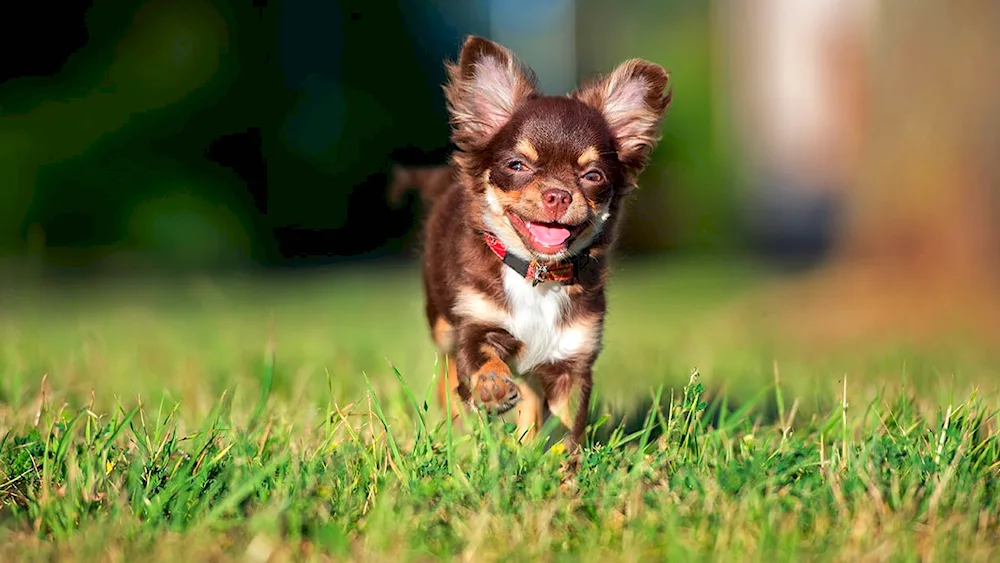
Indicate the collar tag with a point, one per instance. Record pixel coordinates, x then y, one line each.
540 273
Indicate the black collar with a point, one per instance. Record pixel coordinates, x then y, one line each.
565 271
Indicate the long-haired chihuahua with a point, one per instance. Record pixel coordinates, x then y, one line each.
520 227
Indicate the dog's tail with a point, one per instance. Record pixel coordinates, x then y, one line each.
431 182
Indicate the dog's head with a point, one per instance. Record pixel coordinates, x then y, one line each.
548 171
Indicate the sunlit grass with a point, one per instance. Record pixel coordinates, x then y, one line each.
247 419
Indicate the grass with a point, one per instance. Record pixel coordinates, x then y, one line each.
256 420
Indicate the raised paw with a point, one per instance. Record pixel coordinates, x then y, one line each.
495 392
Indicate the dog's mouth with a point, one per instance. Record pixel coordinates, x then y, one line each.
544 238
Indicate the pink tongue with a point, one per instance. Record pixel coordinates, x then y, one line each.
549 236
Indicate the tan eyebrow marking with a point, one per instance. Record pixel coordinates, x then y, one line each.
525 147
588 156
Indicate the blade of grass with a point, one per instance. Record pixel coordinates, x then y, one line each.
244 490
393 447
266 383
421 423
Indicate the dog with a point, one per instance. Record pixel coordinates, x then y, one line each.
521 222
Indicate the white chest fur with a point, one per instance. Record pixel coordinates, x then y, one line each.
535 317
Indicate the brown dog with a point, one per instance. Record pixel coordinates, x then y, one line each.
519 229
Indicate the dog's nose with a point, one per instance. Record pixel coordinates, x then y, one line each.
556 201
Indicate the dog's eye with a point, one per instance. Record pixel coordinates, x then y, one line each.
593 176
516 165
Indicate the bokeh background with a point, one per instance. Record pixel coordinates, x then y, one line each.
849 146
262 134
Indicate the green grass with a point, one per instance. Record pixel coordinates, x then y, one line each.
243 419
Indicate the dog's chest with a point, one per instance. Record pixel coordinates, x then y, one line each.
537 318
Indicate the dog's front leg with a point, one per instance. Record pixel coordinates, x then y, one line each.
559 394
486 380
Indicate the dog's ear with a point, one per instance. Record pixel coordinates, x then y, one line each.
633 99
484 88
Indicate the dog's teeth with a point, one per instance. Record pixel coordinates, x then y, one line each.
527 224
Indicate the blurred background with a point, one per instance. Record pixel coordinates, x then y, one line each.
852 142
208 134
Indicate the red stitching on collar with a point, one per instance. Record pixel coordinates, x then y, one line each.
495 245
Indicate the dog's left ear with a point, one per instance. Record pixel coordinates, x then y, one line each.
485 86
633 99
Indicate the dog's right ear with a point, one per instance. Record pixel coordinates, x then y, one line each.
484 88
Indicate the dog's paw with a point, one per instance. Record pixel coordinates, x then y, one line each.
494 391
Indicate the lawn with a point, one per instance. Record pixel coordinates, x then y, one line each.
289 418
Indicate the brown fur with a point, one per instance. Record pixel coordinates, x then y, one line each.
430 181
581 154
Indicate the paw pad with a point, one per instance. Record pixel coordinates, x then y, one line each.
496 393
